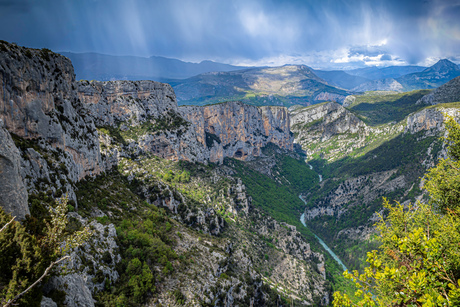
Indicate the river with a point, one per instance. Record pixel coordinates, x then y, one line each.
323 244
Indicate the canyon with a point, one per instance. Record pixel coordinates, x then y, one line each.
127 155
59 136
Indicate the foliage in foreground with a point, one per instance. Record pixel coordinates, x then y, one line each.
418 263
26 258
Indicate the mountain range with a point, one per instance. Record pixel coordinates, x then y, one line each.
375 73
428 78
95 66
286 85
211 82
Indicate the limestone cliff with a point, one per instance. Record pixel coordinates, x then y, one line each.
99 142
316 125
41 102
13 194
113 102
238 130
325 96
39 106
430 119
38 101
208 133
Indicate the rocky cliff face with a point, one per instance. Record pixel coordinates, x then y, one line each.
13 194
208 133
113 102
237 130
315 125
39 101
430 120
59 136
40 106
328 113
325 96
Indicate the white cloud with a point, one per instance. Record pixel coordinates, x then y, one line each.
342 58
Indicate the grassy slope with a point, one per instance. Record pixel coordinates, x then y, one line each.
375 108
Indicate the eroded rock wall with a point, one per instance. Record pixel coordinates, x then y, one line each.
237 130
430 119
119 101
39 106
38 100
314 126
13 194
209 133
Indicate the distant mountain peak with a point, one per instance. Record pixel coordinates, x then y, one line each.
443 65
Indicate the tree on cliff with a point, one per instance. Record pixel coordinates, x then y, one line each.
418 263
26 260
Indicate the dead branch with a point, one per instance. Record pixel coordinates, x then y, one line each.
36 282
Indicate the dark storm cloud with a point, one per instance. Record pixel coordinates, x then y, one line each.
266 31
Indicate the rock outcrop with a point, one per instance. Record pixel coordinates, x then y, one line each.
55 134
13 194
40 106
110 103
208 133
349 100
327 113
318 124
92 267
325 96
38 100
430 120
238 130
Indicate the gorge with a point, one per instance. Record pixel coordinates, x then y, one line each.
201 204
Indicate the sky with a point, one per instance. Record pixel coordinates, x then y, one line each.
319 33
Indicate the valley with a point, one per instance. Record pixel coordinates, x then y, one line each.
253 187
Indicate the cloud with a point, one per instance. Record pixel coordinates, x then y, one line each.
317 33
386 57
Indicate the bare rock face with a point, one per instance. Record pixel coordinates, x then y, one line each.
92 266
430 120
349 100
202 134
319 123
38 100
329 113
330 97
119 101
13 194
237 130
